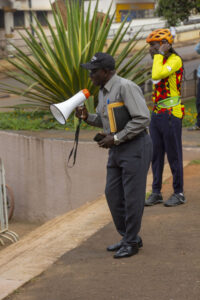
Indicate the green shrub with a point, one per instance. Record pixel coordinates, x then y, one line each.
37 120
190 113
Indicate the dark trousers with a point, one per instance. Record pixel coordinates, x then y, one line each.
198 103
166 134
127 168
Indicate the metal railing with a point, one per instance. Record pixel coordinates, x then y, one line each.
5 233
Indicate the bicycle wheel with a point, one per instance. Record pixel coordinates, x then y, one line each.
10 201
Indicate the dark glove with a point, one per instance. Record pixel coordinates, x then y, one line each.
81 112
107 142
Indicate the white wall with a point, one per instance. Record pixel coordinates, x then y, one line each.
42 185
24 5
41 5
103 6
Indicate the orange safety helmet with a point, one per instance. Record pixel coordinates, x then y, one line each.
160 34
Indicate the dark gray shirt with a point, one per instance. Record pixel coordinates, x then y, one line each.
119 89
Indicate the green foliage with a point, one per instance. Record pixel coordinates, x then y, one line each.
190 113
195 162
35 121
176 11
52 72
41 120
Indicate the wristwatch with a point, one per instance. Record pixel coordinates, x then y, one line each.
116 140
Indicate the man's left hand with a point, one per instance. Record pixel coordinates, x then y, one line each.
107 142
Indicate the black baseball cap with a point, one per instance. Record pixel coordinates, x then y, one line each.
100 61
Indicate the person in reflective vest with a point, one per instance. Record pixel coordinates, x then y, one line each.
166 120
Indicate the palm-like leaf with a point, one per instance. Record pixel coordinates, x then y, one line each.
52 72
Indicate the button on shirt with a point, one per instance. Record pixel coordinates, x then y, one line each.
119 89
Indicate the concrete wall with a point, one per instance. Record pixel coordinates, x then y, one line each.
43 187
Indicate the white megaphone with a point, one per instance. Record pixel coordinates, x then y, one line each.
61 111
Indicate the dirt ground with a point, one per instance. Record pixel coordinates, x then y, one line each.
167 268
20 228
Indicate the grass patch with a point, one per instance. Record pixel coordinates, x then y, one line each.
34 121
19 119
148 194
195 162
190 113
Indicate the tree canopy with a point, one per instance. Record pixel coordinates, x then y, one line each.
177 11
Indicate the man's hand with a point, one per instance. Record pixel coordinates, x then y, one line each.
81 112
165 47
153 51
107 142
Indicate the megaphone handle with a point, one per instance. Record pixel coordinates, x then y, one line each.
81 106
75 146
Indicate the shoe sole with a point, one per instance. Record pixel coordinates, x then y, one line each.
168 205
124 256
140 245
157 202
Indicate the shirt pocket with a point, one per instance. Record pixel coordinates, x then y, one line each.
116 98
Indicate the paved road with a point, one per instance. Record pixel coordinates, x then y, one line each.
167 268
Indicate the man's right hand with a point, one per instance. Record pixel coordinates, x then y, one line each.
81 112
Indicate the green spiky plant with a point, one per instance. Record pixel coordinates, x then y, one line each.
52 72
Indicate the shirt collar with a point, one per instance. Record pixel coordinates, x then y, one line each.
110 82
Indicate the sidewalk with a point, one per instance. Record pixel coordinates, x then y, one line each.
68 253
166 268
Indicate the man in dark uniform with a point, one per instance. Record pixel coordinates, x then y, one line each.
130 150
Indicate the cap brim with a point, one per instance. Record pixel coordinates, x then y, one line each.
89 66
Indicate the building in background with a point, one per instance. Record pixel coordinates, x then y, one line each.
15 14
136 9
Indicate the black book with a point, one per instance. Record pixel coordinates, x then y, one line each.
118 116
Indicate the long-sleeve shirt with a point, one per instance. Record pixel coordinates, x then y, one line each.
167 77
119 89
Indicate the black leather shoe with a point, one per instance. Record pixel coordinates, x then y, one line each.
117 246
126 251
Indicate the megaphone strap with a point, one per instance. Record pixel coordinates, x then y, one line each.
75 146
